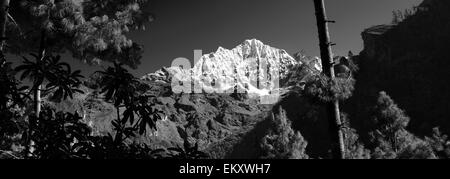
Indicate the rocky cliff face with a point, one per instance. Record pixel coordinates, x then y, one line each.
410 62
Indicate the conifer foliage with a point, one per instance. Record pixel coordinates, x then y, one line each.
282 142
92 30
390 133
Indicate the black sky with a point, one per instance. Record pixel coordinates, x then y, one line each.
184 25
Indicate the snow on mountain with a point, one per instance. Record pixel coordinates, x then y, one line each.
251 67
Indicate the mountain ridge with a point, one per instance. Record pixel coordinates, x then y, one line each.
237 67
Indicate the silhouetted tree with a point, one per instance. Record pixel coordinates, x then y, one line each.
10 90
119 87
60 135
13 98
124 90
57 75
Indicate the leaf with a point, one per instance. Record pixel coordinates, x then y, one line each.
58 94
25 74
142 128
23 88
176 149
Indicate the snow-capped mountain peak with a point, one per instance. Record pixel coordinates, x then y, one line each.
251 67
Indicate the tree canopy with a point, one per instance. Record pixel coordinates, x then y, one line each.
91 30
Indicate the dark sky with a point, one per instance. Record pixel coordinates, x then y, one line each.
184 25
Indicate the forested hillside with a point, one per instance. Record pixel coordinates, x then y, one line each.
409 60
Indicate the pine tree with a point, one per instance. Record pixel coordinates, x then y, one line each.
91 30
354 148
390 136
440 144
282 142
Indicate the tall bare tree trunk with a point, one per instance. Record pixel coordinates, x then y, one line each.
4 6
37 97
42 53
328 68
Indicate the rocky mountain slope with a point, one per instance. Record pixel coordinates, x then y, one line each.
226 125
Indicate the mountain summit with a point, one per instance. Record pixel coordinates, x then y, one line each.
252 67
